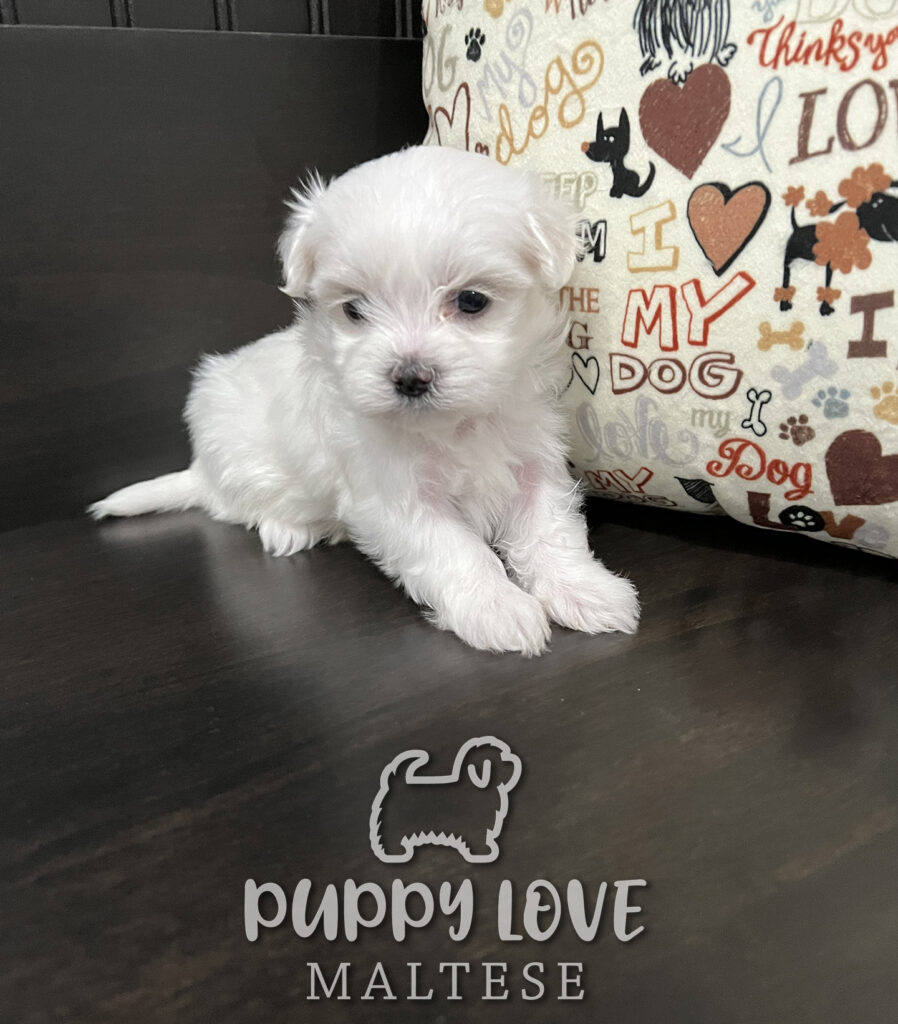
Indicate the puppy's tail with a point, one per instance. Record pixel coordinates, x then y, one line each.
172 492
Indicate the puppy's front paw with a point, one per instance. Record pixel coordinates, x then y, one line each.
590 599
498 619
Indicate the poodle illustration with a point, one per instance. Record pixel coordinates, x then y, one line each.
690 32
842 244
464 809
610 147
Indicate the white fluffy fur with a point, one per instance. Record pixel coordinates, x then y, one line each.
304 436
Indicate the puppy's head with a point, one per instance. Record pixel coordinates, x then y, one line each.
430 279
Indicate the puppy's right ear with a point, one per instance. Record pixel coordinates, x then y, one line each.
295 247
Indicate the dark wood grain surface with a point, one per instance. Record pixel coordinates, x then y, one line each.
180 712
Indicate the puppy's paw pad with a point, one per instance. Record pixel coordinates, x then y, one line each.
597 602
279 540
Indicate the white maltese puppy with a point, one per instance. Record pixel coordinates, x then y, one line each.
412 406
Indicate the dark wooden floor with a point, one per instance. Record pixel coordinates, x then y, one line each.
181 712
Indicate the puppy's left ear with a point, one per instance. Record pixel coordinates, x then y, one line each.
295 246
552 231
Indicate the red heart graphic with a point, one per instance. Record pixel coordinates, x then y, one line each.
859 474
441 114
682 123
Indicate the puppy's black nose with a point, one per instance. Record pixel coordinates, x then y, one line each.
412 379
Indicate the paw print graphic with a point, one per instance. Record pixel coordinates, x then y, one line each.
474 41
797 429
833 402
886 398
800 517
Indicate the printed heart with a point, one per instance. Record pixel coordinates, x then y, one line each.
444 122
587 370
681 123
724 222
859 474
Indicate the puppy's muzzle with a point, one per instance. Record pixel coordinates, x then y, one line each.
412 379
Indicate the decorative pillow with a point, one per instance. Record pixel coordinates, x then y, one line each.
734 331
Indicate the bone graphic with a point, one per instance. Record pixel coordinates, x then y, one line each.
753 421
817 364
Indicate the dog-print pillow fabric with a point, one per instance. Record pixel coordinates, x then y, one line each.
734 327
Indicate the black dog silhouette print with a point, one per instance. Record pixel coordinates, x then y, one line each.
611 146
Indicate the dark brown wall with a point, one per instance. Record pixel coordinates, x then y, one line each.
382 18
142 179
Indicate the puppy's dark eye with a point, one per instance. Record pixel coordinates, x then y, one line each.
471 302
352 311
